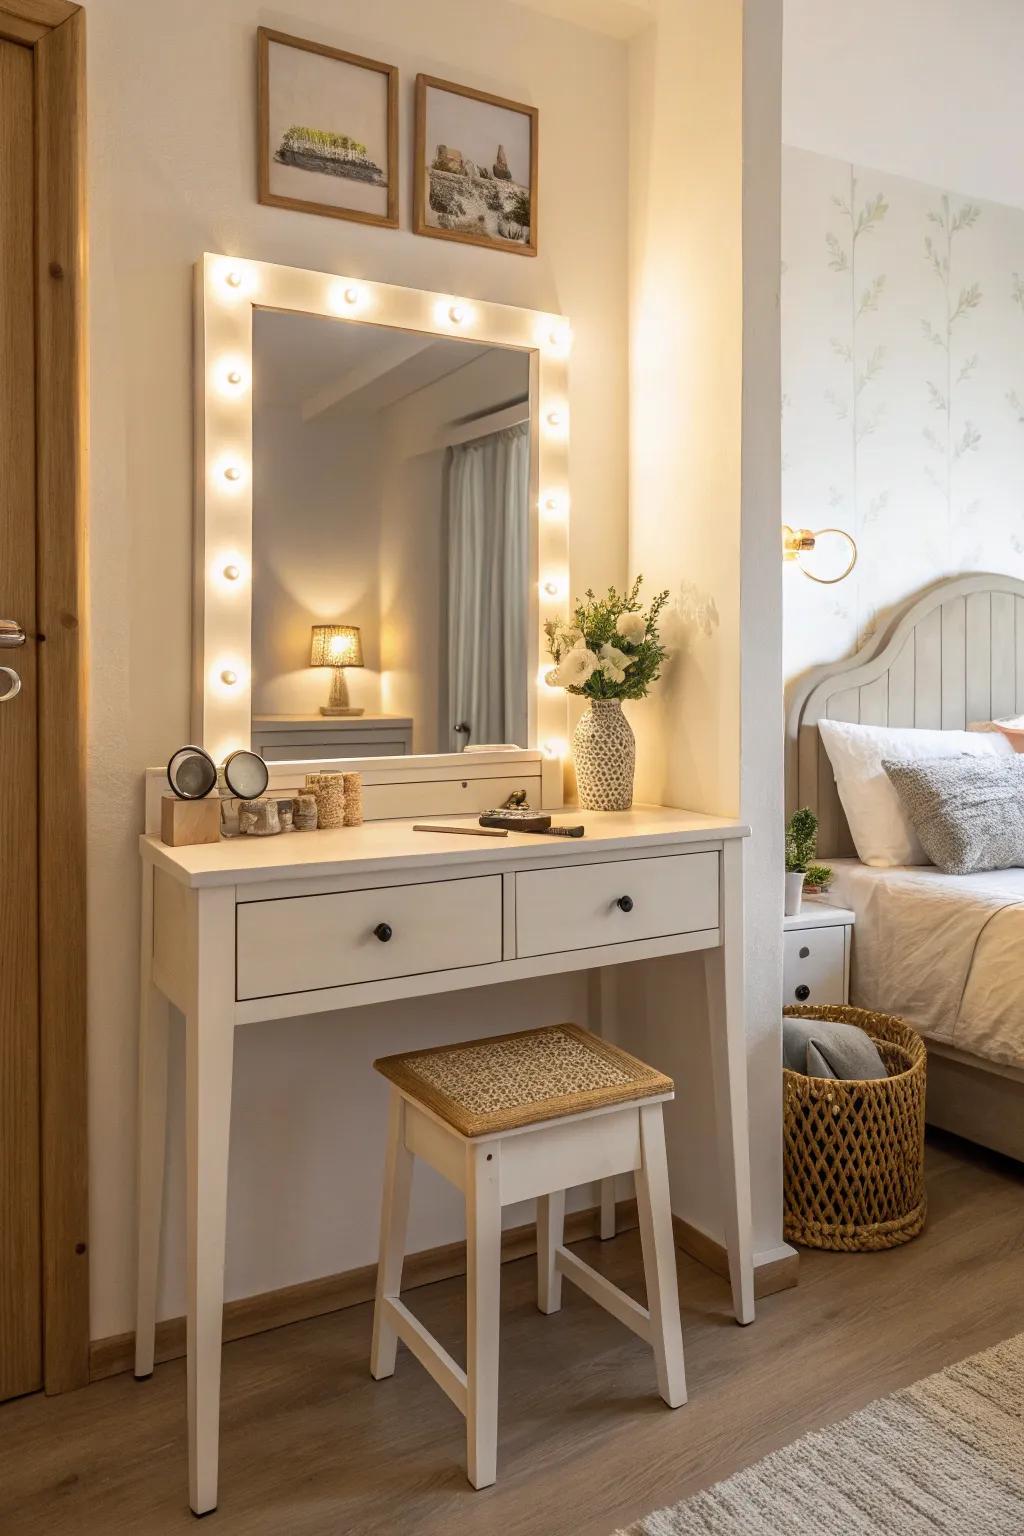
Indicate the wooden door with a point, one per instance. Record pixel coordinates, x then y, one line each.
20 1220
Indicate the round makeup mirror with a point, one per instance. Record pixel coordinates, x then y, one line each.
191 773
246 774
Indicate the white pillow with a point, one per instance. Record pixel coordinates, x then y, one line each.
881 831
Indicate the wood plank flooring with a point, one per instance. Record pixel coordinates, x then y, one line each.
311 1446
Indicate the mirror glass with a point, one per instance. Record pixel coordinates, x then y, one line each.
391 555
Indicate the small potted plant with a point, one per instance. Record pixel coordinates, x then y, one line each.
801 843
607 651
818 880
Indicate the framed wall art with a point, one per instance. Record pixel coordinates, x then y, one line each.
476 167
328 130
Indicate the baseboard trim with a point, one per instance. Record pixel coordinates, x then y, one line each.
333 1293
352 1287
770 1276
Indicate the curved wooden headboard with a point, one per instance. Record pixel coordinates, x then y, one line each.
951 656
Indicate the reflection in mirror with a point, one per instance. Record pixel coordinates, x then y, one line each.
391 540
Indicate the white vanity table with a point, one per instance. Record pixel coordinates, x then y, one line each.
272 928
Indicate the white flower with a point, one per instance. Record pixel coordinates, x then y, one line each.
614 662
575 667
632 627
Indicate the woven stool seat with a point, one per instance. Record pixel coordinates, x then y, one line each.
483 1086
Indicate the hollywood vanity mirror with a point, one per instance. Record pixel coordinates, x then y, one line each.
381 531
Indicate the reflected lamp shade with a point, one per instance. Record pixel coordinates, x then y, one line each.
337 646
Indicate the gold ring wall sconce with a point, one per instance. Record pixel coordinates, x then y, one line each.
801 541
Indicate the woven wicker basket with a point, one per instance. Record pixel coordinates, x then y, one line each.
854 1151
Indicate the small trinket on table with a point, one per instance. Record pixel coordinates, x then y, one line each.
304 813
353 799
258 818
329 790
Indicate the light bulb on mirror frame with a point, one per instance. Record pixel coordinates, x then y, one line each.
235 280
232 377
231 572
228 677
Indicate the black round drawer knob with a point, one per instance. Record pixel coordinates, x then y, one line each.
625 903
383 932
802 993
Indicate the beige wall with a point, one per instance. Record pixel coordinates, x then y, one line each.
704 519
172 173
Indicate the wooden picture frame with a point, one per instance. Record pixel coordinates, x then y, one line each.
423 170
266 37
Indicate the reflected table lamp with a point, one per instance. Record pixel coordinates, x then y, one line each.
337 646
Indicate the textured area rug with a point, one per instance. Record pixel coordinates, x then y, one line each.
944 1457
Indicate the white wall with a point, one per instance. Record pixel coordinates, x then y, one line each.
704 520
874 94
172 173
924 88
904 391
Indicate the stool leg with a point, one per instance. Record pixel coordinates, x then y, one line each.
483 1299
394 1213
550 1231
655 1212
607 1209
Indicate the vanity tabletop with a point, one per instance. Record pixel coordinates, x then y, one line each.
383 845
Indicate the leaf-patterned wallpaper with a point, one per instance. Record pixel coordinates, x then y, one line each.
903 392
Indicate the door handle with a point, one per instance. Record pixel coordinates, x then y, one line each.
15 684
11 634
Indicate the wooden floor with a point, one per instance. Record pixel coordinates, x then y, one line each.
311 1445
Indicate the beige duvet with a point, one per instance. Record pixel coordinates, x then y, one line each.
945 952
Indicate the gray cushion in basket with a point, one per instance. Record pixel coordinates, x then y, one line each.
823 1048
967 811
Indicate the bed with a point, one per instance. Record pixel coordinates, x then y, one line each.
945 952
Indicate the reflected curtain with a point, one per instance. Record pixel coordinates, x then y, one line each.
488 539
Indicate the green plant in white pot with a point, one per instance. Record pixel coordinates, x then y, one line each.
607 651
801 870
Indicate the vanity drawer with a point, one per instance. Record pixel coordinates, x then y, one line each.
814 959
616 903
302 943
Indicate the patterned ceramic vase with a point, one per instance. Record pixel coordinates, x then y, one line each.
604 753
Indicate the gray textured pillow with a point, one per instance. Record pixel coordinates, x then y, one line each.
967 811
826 1048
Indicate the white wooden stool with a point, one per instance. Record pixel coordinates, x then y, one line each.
513 1118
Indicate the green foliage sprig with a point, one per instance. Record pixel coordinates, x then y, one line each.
609 648
801 840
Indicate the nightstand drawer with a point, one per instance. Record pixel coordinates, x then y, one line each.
815 958
615 903
302 943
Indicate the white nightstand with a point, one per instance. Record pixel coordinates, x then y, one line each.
816 954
